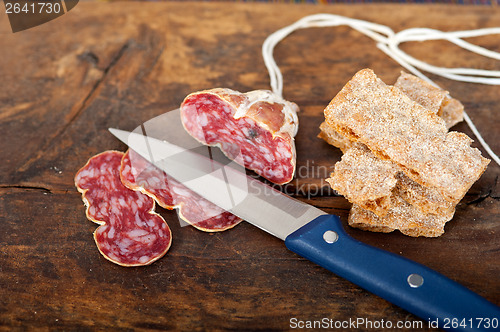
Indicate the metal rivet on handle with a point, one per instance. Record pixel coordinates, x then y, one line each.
330 236
415 280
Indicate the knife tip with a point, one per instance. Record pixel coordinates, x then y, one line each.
122 135
115 131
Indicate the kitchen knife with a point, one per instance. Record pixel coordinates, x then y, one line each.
315 235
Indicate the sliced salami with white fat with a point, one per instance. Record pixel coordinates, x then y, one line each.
130 232
138 174
256 129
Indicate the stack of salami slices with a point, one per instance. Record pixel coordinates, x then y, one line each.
256 129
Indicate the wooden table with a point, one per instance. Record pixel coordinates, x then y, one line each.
119 64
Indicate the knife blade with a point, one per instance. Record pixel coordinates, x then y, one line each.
310 232
226 185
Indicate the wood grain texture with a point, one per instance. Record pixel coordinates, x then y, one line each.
120 64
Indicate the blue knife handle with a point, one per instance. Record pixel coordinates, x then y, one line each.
407 284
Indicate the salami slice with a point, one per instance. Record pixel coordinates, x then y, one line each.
256 129
130 232
138 174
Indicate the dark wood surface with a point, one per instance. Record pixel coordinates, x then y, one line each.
119 64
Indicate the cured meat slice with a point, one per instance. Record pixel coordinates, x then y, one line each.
138 174
256 129
130 232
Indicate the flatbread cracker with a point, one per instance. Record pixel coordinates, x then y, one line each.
403 216
374 184
332 137
435 99
384 196
394 127
365 180
452 112
432 98
421 91
427 200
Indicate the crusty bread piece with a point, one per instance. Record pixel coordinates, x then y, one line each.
365 180
406 218
332 137
452 112
374 184
396 128
427 200
432 98
422 92
384 196
435 99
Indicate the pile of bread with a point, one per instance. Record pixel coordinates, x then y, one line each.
400 168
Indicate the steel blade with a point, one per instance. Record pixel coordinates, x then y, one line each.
224 184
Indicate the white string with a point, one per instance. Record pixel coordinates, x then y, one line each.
389 42
379 33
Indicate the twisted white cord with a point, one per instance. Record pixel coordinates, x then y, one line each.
389 42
